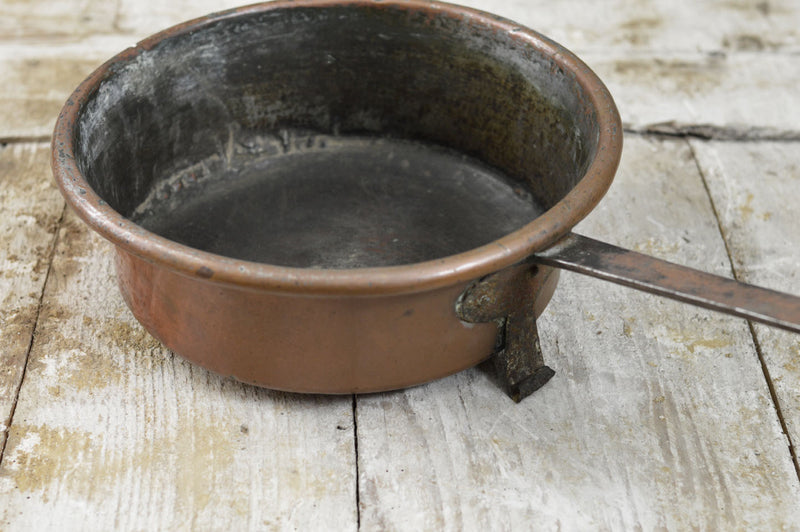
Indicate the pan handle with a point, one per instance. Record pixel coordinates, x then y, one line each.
629 268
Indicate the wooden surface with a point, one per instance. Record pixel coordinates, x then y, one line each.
660 416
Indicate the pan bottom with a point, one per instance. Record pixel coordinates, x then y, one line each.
336 202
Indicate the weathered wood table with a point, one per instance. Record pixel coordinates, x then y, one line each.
660 416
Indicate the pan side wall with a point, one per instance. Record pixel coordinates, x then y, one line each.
301 343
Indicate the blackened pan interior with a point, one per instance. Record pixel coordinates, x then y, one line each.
336 137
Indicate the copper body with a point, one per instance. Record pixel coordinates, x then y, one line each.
338 330
334 344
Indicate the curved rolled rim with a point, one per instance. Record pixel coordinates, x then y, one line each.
510 249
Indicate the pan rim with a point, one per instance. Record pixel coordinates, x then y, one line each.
539 234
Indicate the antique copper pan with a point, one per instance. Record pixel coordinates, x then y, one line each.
344 196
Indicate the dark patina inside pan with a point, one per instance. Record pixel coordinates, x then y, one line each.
336 138
321 201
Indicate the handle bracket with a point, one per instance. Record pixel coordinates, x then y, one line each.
508 298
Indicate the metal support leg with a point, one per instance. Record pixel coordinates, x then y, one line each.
508 297
520 364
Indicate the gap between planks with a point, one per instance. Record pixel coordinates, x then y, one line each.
733 133
756 344
23 139
51 256
355 450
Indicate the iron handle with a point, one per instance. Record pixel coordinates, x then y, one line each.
605 261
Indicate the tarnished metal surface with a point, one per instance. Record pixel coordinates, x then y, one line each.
335 344
629 268
340 202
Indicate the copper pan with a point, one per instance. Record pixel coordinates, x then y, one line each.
341 196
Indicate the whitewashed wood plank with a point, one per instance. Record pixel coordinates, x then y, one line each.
658 417
37 79
756 190
746 92
65 21
55 20
583 24
638 25
110 425
30 208
144 18
618 25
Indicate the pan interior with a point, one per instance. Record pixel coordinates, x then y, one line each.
306 200
336 136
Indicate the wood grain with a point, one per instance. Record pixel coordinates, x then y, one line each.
620 26
110 424
70 21
756 191
750 94
633 26
31 208
664 66
681 25
658 416
37 79
58 21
